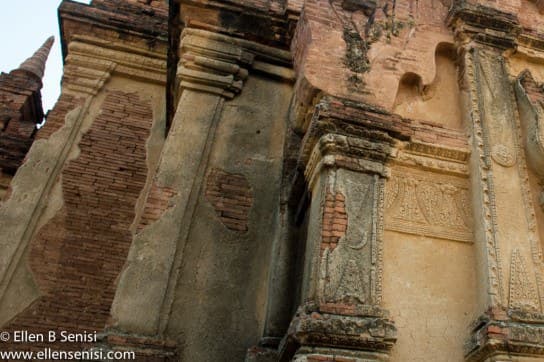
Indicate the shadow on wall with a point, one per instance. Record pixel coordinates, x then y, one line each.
438 102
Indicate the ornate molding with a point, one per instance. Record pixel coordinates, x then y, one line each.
85 76
312 327
434 158
356 154
531 45
353 136
484 179
91 61
506 332
220 64
484 25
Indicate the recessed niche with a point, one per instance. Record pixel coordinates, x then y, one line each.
437 102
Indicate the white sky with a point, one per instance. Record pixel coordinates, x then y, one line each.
24 26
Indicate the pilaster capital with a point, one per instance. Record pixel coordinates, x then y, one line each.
92 61
220 64
350 135
483 25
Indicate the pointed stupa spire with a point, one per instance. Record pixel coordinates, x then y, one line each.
36 63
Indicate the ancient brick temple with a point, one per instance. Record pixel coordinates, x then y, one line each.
281 180
20 112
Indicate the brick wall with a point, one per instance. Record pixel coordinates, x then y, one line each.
508 6
77 256
231 197
157 202
20 111
332 55
55 117
533 89
133 6
335 220
139 23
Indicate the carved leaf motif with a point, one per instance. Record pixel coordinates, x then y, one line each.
392 192
463 208
430 201
431 205
351 286
409 207
523 294
449 213
345 270
356 234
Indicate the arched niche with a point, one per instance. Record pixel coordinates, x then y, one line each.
437 102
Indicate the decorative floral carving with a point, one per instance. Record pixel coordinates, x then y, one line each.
503 155
431 205
345 270
523 293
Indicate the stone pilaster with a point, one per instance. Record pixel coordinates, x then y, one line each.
508 246
209 72
344 154
212 70
33 184
91 63
529 95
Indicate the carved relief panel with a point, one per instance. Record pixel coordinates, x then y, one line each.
514 255
523 293
350 268
428 204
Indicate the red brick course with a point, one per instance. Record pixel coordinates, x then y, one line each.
56 117
533 89
143 24
157 203
231 197
335 220
77 256
20 112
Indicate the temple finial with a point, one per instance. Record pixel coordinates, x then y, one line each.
36 63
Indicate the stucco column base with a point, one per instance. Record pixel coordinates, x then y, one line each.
147 349
365 333
507 335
